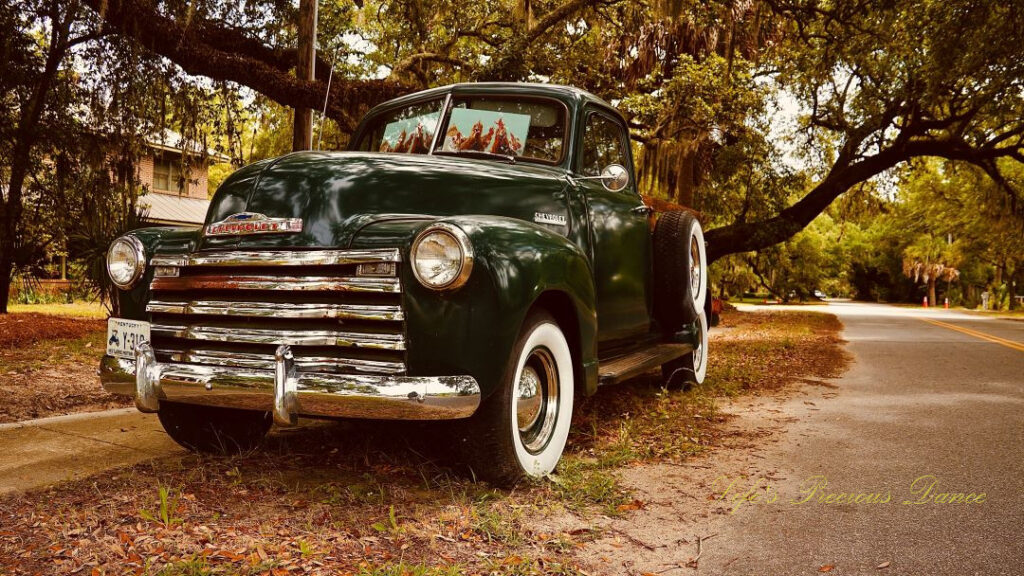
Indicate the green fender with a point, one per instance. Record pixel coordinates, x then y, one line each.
471 330
156 240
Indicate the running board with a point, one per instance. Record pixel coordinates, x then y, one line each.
620 368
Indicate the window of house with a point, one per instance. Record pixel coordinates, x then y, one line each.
167 175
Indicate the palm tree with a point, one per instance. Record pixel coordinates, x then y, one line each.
930 259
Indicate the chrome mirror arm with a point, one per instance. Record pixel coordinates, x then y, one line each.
578 178
614 178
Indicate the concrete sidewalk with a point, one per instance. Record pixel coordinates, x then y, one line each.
42 452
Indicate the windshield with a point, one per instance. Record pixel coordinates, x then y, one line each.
520 128
408 130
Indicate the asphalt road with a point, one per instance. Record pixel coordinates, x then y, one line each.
934 397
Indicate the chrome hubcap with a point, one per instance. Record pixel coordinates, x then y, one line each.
537 400
694 267
529 402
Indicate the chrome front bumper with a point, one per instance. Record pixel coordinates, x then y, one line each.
289 393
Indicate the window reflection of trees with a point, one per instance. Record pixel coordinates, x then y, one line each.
602 145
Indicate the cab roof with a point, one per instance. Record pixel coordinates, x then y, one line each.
571 95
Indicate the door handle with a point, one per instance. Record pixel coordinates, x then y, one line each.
642 209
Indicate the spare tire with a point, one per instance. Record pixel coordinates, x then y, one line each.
680 270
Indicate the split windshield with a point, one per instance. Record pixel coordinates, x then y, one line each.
502 127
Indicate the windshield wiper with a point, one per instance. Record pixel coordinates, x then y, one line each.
476 154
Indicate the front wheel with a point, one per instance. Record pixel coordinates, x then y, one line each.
522 428
214 429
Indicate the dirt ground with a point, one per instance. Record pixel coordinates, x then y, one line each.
48 366
680 505
633 495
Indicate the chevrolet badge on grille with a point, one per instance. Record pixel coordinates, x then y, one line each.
253 223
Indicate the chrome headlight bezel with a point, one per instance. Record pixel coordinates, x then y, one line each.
136 248
465 260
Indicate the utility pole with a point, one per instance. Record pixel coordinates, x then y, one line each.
302 133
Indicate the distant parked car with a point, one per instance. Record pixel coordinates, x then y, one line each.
819 295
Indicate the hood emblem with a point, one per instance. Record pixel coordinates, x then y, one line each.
253 223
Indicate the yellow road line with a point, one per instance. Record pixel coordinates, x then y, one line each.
995 339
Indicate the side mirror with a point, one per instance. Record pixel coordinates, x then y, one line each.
615 177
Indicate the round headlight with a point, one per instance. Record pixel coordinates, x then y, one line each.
442 257
126 261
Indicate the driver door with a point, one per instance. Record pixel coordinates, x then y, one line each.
619 232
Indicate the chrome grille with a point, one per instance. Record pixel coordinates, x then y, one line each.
234 309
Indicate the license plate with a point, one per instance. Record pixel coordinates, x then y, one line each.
124 335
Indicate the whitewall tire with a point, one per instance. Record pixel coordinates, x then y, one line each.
699 356
522 427
691 368
542 400
680 271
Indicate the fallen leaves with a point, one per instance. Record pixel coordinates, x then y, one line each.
50 366
19 330
629 506
827 568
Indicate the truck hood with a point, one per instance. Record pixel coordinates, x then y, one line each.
339 195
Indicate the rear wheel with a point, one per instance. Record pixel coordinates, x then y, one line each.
522 428
214 429
691 368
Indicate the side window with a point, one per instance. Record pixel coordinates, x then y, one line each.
603 144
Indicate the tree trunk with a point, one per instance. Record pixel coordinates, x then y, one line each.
6 269
21 154
11 220
931 293
751 236
302 132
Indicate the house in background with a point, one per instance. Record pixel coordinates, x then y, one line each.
174 198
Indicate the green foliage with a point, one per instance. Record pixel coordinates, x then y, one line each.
945 221
166 509
704 86
98 97
217 174
391 526
960 228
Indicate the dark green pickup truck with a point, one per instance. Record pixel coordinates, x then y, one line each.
480 254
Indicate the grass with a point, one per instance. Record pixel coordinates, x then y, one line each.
370 498
35 356
164 514
77 309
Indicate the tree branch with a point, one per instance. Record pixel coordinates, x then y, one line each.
203 48
415 59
